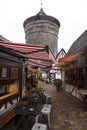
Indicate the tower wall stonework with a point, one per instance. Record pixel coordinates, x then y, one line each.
42 32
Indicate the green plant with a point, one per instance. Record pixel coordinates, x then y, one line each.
28 86
33 90
41 78
58 83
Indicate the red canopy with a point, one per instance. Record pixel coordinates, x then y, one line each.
37 55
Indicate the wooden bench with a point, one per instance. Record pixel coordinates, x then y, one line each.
9 114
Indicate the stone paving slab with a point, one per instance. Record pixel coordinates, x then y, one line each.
66 113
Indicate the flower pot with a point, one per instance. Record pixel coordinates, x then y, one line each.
28 93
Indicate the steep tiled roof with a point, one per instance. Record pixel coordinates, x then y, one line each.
3 39
60 54
79 44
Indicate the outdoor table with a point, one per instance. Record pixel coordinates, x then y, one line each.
34 100
25 111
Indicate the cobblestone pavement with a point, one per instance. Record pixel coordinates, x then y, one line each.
66 113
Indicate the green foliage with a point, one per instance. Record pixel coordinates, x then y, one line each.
33 90
58 83
41 78
28 86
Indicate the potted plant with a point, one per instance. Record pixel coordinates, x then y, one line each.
28 86
58 83
33 90
30 90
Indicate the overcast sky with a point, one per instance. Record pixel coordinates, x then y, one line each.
72 15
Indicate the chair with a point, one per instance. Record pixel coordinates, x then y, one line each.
47 106
46 110
37 118
36 114
42 96
39 126
48 96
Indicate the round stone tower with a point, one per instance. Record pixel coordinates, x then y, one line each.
42 29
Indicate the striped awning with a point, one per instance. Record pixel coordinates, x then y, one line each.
36 55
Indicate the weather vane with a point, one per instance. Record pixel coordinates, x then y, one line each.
41 3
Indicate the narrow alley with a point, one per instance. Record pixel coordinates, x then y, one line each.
66 113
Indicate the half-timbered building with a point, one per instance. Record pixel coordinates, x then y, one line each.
74 68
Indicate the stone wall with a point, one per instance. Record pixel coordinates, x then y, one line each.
42 32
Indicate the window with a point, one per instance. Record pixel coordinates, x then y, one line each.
14 72
70 76
3 72
79 78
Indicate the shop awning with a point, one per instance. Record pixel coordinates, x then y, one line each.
69 58
36 55
33 70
